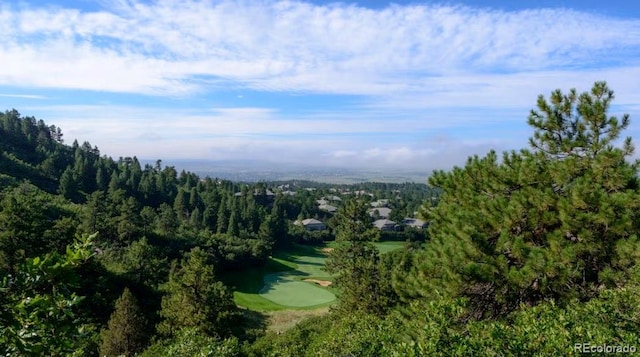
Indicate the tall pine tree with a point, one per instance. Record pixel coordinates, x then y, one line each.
126 333
196 300
557 222
355 262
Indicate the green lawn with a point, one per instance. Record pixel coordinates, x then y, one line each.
280 284
383 247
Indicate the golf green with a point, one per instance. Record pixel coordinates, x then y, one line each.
288 288
283 289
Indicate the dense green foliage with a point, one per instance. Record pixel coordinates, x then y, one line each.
39 304
531 253
356 264
195 300
555 223
127 330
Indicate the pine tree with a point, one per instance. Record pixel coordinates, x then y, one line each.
126 333
557 222
180 204
69 185
222 221
234 226
355 262
195 299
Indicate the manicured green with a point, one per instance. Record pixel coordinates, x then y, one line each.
285 289
248 283
280 285
385 247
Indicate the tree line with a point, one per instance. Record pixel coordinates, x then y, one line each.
153 243
532 252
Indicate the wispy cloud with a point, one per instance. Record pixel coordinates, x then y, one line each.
175 47
23 96
427 84
262 134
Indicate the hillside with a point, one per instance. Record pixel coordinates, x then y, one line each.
534 252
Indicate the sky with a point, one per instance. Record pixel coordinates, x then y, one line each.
408 85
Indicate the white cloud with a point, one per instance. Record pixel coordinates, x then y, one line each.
158 47
259 133
23 96
417 69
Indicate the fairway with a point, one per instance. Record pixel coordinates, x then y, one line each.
287 288
284 290
281 285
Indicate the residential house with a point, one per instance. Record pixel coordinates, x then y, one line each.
328 208
415 223
311 224
386 225
380 203
383 212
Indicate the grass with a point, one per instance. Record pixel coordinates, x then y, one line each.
279 284
280 321
383 247
284 289
288 288
248 283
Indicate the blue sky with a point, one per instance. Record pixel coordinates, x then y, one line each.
368 84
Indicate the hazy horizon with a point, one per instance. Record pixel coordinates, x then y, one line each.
366 85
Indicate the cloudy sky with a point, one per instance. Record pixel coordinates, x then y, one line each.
409 85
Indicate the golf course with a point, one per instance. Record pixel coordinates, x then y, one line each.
291 280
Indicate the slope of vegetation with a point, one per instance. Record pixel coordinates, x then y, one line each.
531 253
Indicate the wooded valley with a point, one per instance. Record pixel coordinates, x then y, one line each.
531 252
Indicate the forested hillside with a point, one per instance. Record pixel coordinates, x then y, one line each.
531 253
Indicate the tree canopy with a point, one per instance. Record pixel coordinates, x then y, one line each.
554 222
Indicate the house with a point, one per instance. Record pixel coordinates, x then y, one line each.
362 193
386 225
335 198
383 212
311 224
380 203
415 223
322 201
328 208
267 192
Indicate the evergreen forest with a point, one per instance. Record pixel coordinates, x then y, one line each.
527 252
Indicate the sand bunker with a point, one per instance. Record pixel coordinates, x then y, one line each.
327 250
323 283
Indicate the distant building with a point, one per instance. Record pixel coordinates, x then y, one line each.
415 223
267 193
311 224
328 208
386 225
362 193
380 203
383 212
